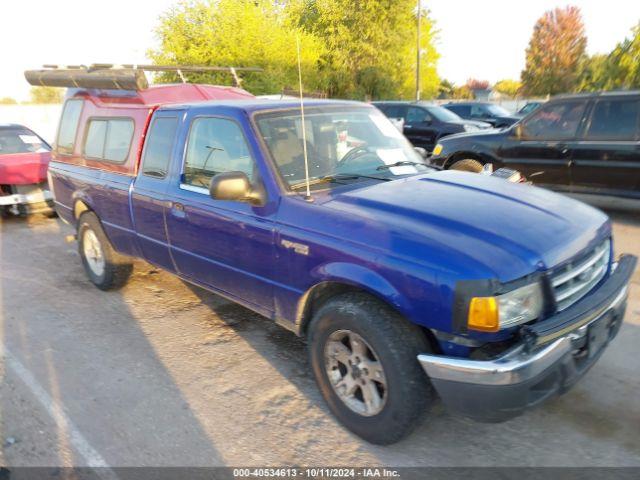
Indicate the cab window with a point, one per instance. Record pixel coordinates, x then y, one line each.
418 115
215 145
558 121
614 120
66 140
108 139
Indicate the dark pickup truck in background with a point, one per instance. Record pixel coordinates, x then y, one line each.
404 279
583 144
486 112
425 123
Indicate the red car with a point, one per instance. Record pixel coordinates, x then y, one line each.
24 158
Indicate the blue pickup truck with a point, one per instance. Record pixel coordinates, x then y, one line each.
409 283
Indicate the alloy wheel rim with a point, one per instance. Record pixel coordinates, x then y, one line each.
93 252
355 373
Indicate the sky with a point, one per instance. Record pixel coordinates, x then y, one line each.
480 39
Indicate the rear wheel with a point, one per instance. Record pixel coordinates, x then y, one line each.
363 356
467 165
106 268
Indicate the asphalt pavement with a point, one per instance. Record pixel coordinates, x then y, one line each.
162 373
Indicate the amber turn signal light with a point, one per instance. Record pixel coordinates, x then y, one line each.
483 314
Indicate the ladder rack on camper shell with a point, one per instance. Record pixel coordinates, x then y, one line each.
109 76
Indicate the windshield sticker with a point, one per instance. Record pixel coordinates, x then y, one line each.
385 126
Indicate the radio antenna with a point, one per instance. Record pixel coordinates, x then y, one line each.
304 133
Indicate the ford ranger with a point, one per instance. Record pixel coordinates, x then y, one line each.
409 283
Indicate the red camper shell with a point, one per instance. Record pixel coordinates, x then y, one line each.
105 129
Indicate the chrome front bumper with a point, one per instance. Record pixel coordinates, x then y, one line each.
501 388
21 199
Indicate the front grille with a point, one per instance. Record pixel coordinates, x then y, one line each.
575 279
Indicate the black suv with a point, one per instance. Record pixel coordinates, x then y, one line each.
484 112
425 124
587 143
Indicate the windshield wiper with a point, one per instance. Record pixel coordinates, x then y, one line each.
408 162
336 178
400 164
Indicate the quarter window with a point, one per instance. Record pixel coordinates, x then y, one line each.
216 145
159 145
614 120
109 139
558 121
68 126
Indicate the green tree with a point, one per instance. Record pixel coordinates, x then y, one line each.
249 33
8 101
555 52
446 89
620 69
462 93
42 95
507 87
596 73
625 60
370 46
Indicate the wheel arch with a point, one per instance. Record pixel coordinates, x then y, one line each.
81 204
347 278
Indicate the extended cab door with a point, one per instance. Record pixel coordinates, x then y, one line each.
419 128
224 245
540 146
607 157
148 196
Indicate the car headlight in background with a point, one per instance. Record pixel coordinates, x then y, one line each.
437 150
470 128
490 314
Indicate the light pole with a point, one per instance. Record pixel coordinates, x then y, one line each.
418 15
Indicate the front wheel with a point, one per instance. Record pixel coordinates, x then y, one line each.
363 356
467 165
106 268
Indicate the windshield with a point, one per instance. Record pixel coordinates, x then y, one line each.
20 141
443 114
343 143
498 111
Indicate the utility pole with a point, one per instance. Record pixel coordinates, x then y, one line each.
418 15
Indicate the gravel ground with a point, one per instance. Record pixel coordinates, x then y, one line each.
163 373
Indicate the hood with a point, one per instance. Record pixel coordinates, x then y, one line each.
24 168
510 118
488 134
477 224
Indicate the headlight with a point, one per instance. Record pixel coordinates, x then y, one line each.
437 150
490 314
470 128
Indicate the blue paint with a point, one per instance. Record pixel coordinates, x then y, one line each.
406 241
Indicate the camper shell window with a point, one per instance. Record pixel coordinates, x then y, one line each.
108 139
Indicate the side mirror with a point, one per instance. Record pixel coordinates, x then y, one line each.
421 151
517 131
234 186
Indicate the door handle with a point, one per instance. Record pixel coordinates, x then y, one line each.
177 210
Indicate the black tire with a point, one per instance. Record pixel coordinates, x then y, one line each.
467 165
117 268
396 343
